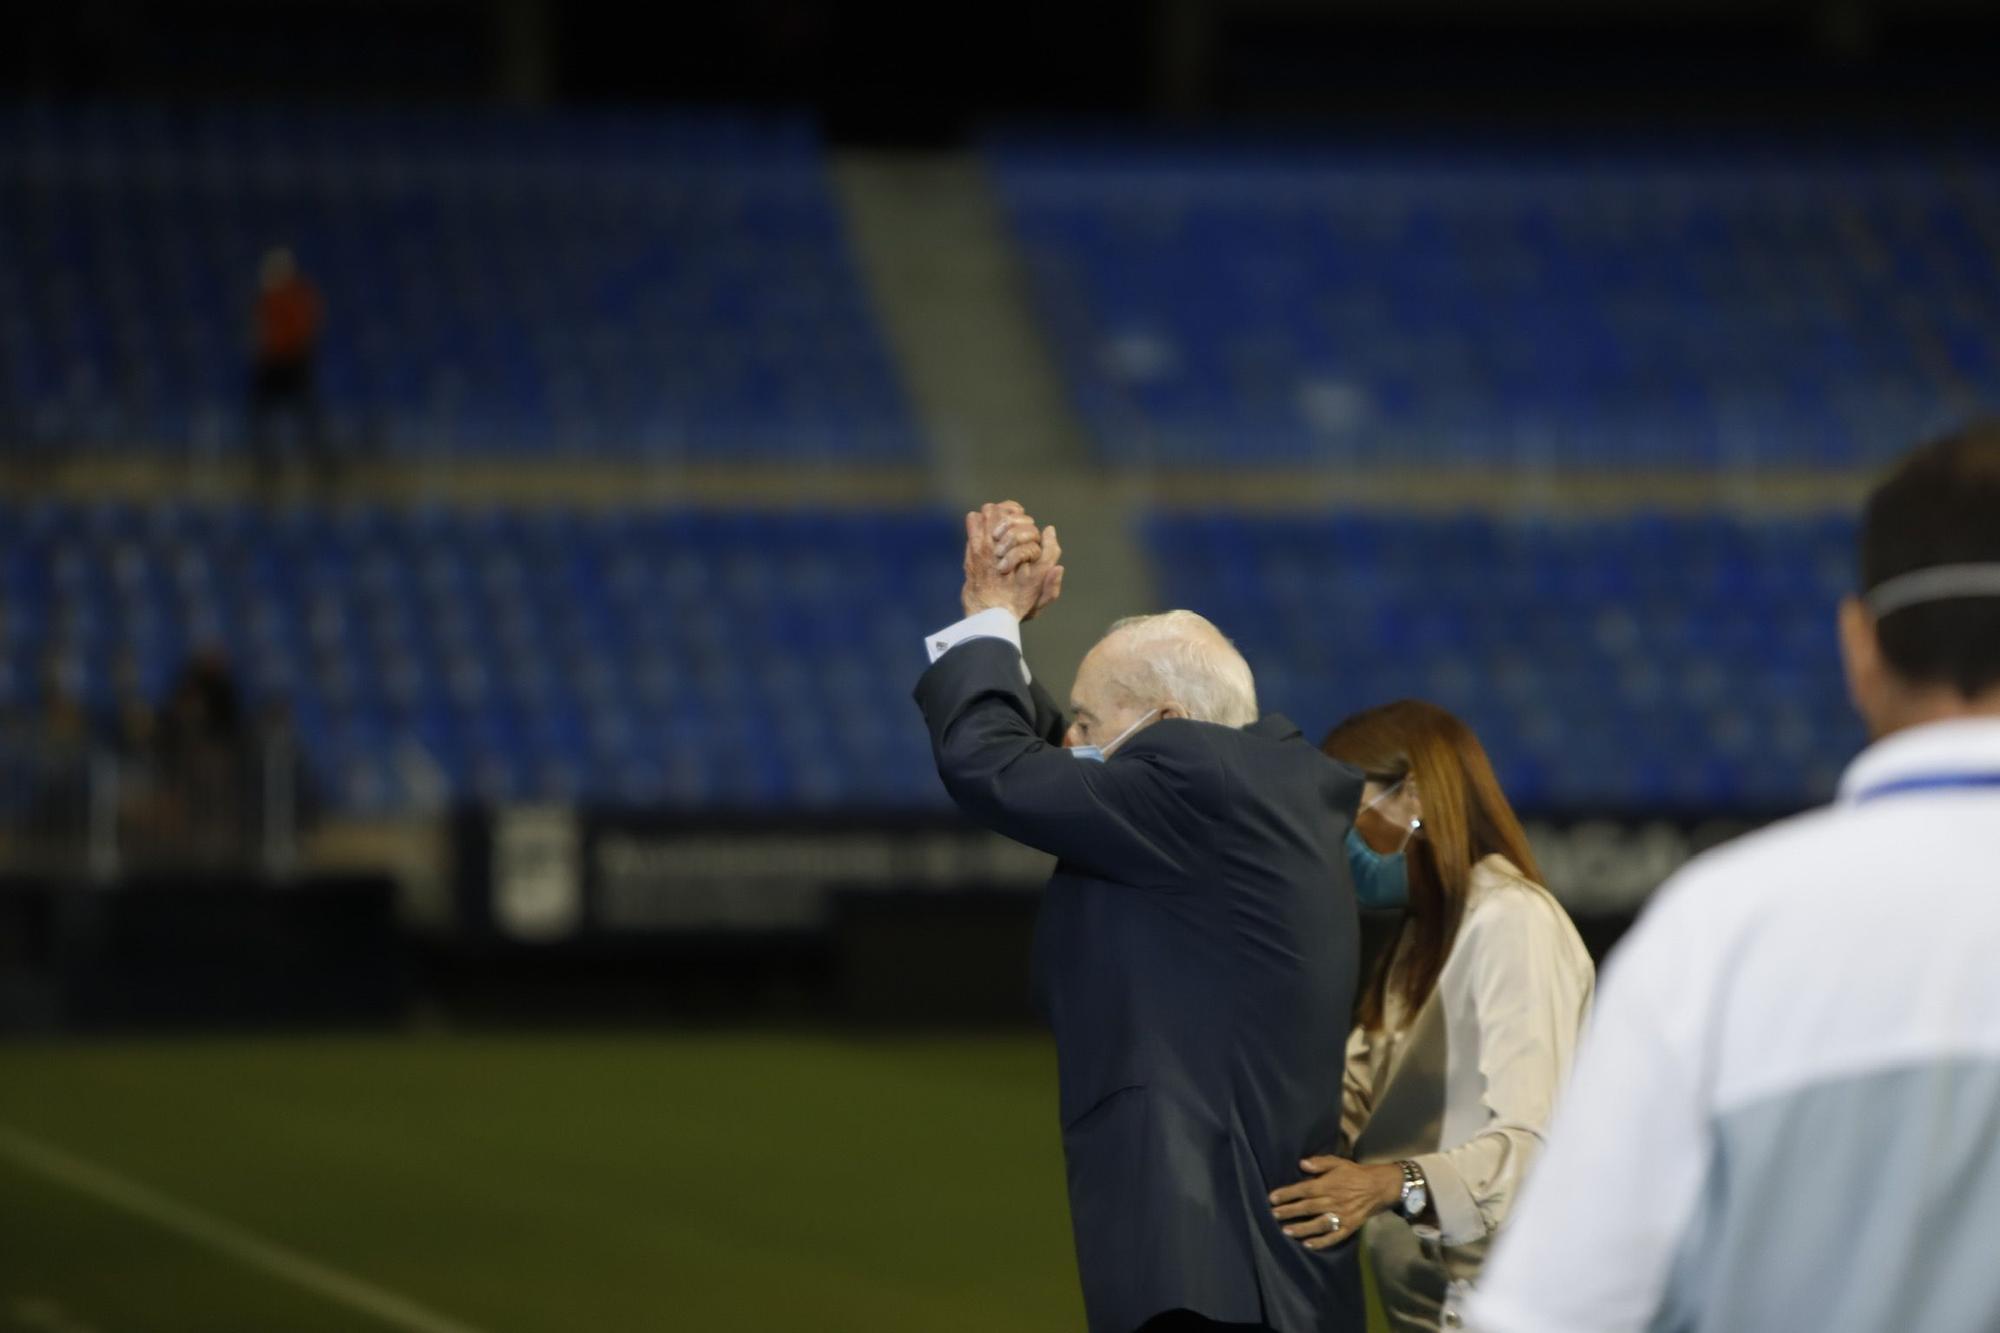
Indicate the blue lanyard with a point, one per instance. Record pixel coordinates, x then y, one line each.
1929 782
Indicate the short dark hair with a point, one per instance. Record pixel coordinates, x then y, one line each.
1941 506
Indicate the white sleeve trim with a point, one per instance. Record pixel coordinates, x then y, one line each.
1482 1314
995 622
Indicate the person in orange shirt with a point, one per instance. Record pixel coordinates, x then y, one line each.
281 384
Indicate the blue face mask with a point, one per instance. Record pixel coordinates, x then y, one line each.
1097 754
1381 879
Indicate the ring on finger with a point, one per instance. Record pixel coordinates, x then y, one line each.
1333 1223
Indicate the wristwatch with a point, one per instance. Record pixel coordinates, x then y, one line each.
1416 1193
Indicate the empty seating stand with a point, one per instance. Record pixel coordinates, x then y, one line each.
1642 664
681 659
637 286
700 659
1622 305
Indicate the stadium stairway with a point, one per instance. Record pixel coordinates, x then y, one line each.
948 288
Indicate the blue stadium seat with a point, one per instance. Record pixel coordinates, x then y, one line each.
706 659
687 658
1611 306
496 283
1645 663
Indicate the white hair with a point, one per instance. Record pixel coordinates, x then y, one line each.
1179 658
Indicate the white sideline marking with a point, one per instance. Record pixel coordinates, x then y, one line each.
53 1164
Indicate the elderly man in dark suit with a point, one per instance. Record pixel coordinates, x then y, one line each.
1196 949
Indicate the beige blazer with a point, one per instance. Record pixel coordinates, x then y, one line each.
1464 1086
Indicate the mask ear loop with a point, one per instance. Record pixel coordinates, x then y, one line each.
1126 734
1416 825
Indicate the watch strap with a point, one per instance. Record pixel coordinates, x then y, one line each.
1413 1183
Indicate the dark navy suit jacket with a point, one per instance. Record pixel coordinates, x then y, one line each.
1195 956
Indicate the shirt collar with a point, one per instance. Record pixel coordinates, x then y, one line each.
1935 749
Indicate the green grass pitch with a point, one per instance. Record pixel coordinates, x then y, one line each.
520 1184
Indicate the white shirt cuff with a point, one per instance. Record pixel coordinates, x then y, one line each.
1459 1219
995 622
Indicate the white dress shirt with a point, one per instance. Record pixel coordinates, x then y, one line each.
995 622
1465 1085
1784 1114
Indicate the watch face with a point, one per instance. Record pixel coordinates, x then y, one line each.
1415 1200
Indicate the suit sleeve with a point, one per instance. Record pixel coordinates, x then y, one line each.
1049 722
1121 819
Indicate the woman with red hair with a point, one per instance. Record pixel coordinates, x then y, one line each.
1465 1027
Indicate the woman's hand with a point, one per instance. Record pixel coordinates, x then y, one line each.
1335 1188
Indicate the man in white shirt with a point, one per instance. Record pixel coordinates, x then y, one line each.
1786 1113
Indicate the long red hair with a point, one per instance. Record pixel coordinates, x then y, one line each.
1466 818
